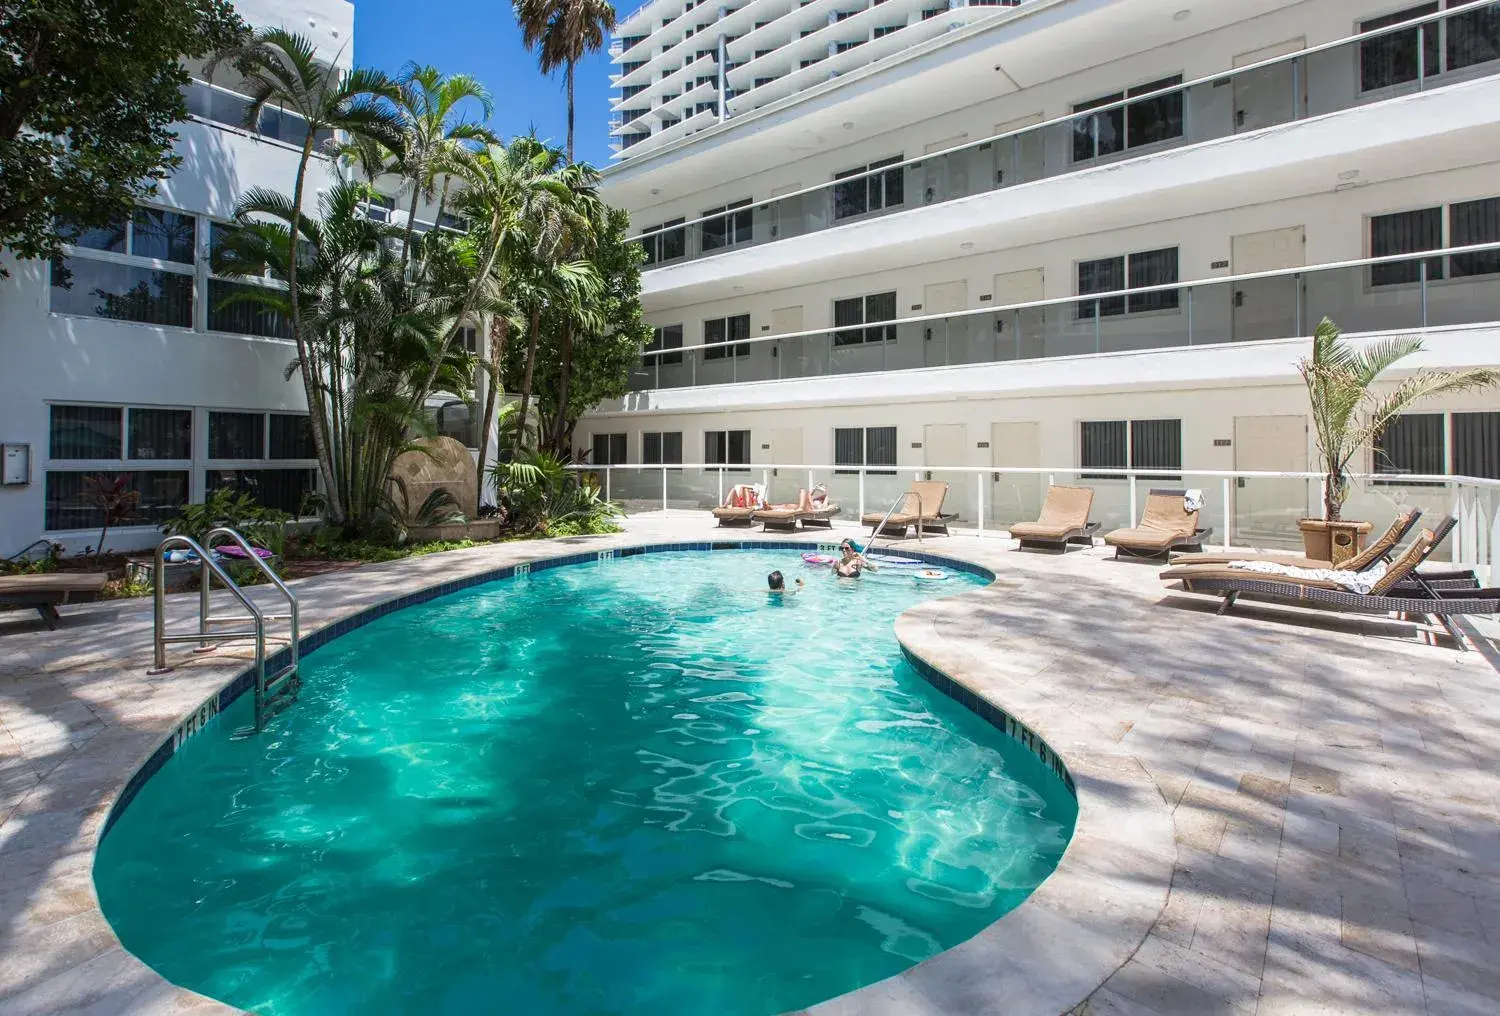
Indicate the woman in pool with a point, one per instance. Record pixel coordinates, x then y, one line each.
851 562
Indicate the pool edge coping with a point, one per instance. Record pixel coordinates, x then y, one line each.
1008 949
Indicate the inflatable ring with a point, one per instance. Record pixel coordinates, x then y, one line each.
932 574
818 559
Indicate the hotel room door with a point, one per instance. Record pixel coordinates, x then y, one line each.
1266 509
1015 497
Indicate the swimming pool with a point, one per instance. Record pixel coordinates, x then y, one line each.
640 786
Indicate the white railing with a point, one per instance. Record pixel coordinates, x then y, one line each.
1245 507
1303 104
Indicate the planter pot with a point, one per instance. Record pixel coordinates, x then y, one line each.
1323 540
478 530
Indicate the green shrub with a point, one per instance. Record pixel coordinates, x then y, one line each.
541 495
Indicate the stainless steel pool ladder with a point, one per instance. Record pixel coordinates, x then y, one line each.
272 691
881 528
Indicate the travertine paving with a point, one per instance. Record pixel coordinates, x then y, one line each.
1280 812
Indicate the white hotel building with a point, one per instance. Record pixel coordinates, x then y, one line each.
1065 234
137 368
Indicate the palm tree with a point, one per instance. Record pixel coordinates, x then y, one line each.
435 129
563 32
514 197
282 69
1348 413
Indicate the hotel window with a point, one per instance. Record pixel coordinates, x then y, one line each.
1467 223
844 47
609 449
249 439
881 31
1413 445
156 289
727 230
116 438
233 305
667 245
726 447
1131 271
1129 126
1131 444
467 339
932 12
864 446
379 208
664 337
1426 50
726 330
661 449
869 193
864 310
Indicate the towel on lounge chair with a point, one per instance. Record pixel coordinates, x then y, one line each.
1192 499
1354 581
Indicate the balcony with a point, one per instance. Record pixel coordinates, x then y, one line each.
1349 74
1454 287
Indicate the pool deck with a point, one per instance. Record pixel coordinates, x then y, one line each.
1281 811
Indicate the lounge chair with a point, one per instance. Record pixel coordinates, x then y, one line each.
739 504
48 591
812 511
1375 551
1064 520
1401 590
1166 524
921 506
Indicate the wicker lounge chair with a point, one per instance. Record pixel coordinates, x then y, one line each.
1166 524
1375 551
921 506
1401 590
739 504
813 511
47 592
1064 520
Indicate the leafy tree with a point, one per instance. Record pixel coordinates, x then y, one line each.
606 345
436 131
1348 413
114 497
89 90
563 32
283 70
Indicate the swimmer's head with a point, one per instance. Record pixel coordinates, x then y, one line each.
776 582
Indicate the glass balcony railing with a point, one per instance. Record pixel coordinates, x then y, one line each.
1413 55
1244 508
1454 286
229 109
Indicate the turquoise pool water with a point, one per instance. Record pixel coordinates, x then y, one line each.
637 787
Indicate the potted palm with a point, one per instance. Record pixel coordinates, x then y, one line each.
1348 414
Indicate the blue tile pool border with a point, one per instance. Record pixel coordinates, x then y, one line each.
217 704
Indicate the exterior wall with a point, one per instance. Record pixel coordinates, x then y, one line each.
917 119
48 357
1349 156
1336 229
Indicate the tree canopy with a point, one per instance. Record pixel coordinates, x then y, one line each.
89 90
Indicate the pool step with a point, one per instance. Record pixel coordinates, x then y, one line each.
280 690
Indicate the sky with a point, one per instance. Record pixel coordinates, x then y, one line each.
479 38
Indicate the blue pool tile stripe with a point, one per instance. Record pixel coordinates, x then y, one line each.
314 640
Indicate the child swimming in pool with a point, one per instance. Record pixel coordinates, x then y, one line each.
777 583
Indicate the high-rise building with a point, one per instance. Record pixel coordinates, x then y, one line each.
687 65
1072 234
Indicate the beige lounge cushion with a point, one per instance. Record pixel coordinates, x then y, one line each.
1142 539
1066 510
